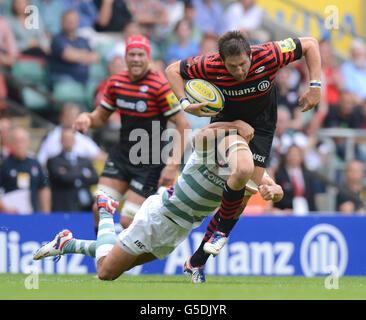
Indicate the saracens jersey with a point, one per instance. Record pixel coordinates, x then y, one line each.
144 105
253 99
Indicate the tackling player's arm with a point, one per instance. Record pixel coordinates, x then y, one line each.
177 83
217 129
269 189
310 51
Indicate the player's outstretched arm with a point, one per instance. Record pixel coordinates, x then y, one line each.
95 119
214 130
310 51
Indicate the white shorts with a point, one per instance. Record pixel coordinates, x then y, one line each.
152 232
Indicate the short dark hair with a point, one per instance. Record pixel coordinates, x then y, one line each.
233 43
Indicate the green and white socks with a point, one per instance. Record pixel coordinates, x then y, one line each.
106 239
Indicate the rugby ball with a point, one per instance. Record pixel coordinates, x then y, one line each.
198 90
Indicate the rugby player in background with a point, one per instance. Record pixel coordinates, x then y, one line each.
245 74
145 102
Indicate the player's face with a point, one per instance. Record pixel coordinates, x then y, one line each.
238 66
137 63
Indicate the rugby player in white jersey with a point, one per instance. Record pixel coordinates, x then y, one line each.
166 220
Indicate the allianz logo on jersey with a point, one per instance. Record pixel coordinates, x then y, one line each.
261 87
323 248
139 106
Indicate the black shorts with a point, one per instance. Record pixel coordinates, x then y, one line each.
260 145
142 179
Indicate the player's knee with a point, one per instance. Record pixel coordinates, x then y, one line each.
106 275
128 212
244 171
125 221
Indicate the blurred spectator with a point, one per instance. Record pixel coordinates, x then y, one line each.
184 47
208 44
5 145
113 15
353 181
175 8
86 10
30 40
51 14
243 15
190 15
85 147
8 55
332 80
345 114
119 48
363 113
354 70
297 183
22 179
289 98
210 16
106 136
71 54
71 177
150 15
5 209
285 137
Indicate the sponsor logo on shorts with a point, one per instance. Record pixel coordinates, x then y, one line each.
136 184
259 158
139 244
110 168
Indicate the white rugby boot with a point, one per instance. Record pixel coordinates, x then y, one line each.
53 248
215 243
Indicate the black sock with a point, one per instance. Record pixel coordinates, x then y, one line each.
230 203
199 258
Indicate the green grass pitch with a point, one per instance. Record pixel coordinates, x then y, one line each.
158 287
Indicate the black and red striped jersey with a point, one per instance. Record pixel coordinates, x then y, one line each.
145 104
248 99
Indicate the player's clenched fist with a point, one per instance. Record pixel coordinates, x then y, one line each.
266 192
82 122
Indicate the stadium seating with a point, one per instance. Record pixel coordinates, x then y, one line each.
69 91
33 100
30 71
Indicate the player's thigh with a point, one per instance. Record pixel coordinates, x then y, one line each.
115 263
143 258
117 185
130 207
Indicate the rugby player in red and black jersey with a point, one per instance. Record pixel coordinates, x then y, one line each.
145 102
245 74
